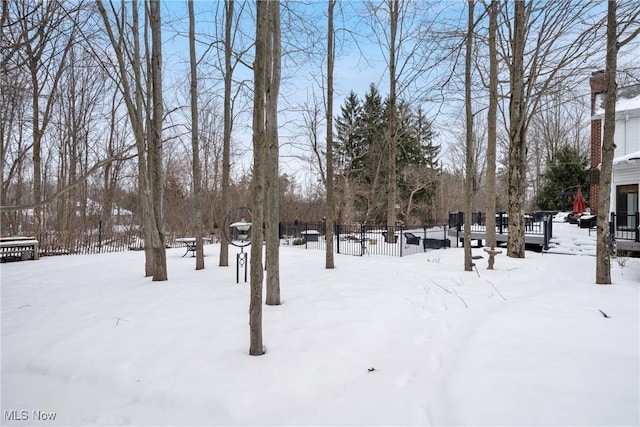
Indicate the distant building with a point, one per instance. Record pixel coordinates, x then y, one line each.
121 219
626 164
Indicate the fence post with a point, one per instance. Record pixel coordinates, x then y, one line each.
637 224
545 232
362 246
424 238
306 235
99 236
400 242
612 225
612 234
337 236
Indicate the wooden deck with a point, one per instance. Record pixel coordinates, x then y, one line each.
627 245
479 236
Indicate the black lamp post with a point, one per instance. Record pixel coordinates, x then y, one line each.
241 228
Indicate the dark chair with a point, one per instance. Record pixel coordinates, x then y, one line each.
435 243
412 239
588 221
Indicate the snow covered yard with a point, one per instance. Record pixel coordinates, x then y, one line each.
377 341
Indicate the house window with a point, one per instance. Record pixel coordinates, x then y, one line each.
626 206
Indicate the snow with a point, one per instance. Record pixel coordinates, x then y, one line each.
628 158
376 341
623 103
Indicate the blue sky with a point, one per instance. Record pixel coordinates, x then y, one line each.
357 66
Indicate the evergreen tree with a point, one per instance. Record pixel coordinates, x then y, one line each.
567 171
425 135
417 163
372 128
361 158
348 147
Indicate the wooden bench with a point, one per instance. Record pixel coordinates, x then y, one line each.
19 248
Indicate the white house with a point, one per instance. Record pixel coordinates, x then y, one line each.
625 181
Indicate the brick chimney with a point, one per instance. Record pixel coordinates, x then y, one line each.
598 84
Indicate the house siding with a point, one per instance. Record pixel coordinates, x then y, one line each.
624 175
627 136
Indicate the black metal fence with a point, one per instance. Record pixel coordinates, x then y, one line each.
367 239
625 226
350 239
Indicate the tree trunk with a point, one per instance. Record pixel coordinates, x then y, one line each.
603 256
272 178
227 126
195 145
468 181
517 145
491 127
257 185
37 138
331 210
155 144
392 131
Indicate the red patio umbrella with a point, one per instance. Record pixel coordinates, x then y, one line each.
578 203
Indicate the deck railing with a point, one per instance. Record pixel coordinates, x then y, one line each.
625 226
536 223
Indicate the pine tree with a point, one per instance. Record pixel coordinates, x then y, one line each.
348 149
568 170
362 161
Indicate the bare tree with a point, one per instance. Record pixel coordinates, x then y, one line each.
468 263
401 28
52 43
517 137
560 124
154 136
74 136
49 37
272 145
417 178
491 126
391 135
476 168
329 180
112 173
143 109
557 50
195 143
615 31
258 181
228 122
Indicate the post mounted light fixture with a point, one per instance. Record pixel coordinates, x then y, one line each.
242 227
